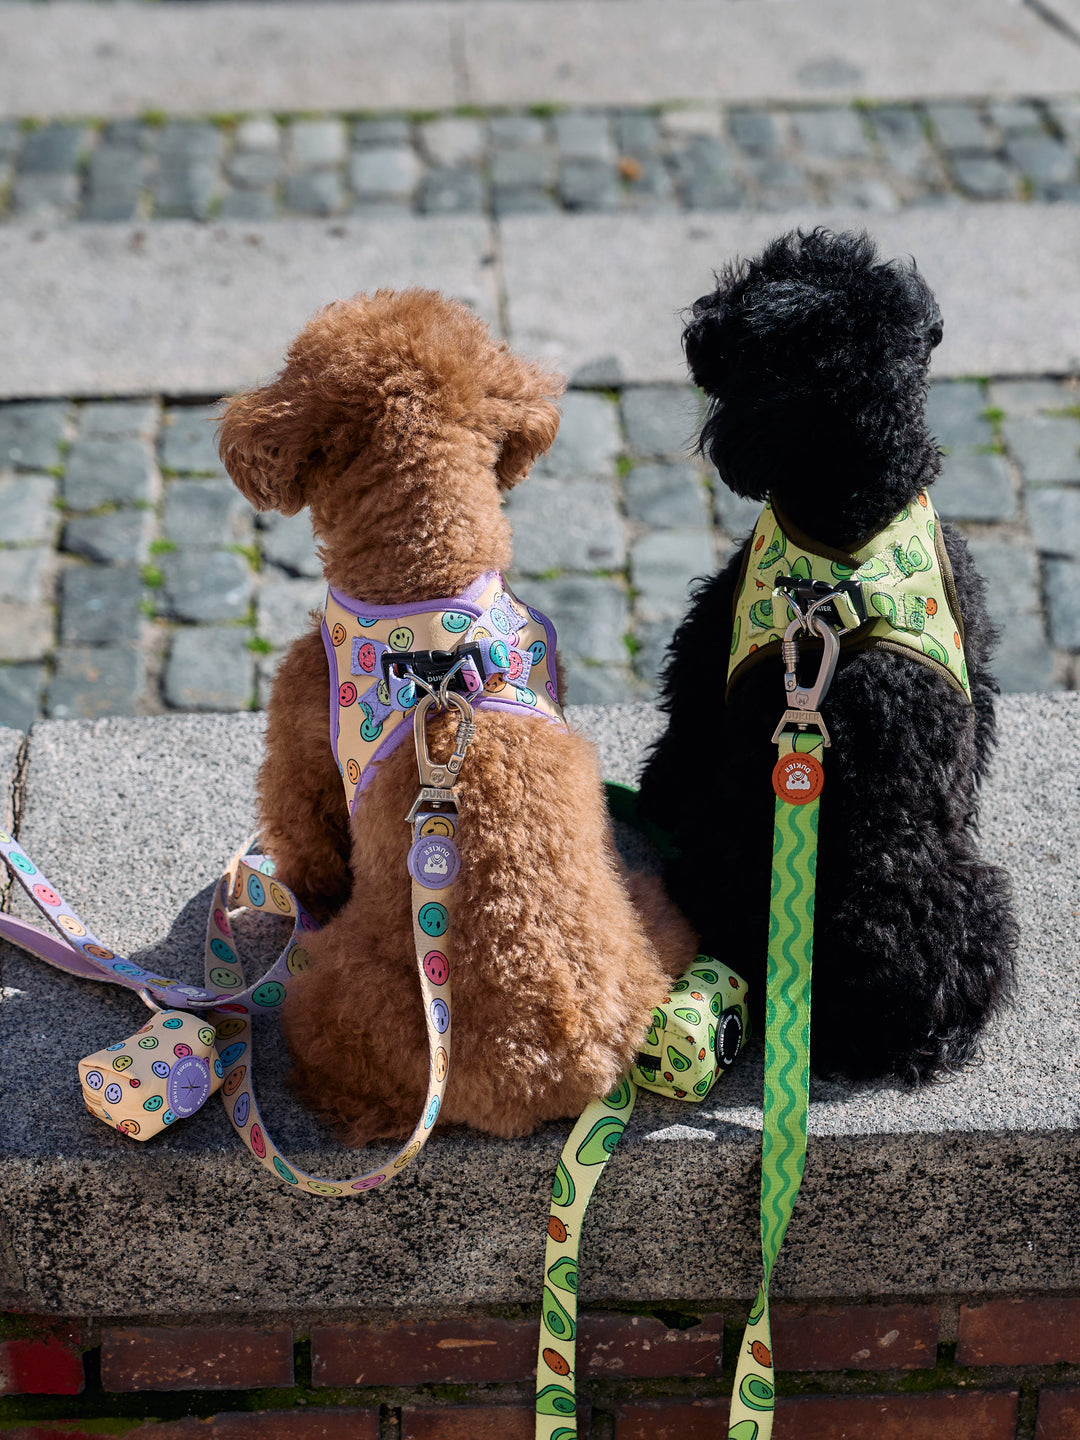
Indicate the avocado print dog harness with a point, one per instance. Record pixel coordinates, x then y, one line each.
895 591
508 655
170 1067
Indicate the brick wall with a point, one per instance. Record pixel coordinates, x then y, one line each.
990 1369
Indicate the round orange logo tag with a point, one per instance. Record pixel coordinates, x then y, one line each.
798 779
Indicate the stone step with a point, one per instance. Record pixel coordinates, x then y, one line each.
191 309
119 59
906 1193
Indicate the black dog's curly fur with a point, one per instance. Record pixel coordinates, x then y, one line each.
814 359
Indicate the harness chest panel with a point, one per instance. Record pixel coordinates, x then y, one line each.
370 717
908 596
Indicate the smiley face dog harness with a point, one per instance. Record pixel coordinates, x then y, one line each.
507 649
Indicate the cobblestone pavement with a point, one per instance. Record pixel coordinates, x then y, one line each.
134 578
879 157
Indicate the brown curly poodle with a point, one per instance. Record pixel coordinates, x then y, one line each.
399 422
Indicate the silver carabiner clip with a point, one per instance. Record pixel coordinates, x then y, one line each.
804 701
437 778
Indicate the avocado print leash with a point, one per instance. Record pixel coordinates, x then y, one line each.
695 1034
592 1142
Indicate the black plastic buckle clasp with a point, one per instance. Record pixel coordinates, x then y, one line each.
433 666
805 592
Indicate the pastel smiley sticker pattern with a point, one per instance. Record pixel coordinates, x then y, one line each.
144 1089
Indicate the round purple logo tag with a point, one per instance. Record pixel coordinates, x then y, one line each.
434 862
188 1087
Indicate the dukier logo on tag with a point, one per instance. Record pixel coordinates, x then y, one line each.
798 779
434 862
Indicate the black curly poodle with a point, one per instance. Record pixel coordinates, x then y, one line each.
814 359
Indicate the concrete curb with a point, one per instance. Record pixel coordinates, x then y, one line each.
185 308
119 59
969 1186
100 309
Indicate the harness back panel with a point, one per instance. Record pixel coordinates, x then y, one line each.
904 576
371 715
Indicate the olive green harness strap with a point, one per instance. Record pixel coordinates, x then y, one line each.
797 779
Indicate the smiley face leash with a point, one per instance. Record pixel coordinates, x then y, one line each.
171 1066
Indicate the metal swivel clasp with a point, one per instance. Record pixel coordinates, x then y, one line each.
803 701
437 777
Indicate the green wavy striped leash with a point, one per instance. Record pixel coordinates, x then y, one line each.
797 779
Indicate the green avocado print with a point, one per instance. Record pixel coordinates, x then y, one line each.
756 1393
692 1017
917 556
744 1430
564 1274
914 613
556 1400
873 569
761 614
563 1434
562 1192
963 674
709 976
930 530
620 1097
600 1141
757 1309
841 572
716 1005
703 1087
885 606
679 987
712 1037
801 569
736 632
556 1318
676 1059
775 552
934 650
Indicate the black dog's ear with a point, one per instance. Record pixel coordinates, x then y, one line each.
705 354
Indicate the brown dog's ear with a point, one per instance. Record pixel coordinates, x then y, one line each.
263 443
531 431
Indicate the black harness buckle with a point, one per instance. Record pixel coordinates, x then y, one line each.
805 592
433 666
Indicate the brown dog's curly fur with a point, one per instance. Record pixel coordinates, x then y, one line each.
398 421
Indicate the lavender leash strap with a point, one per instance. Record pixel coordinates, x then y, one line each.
248 881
